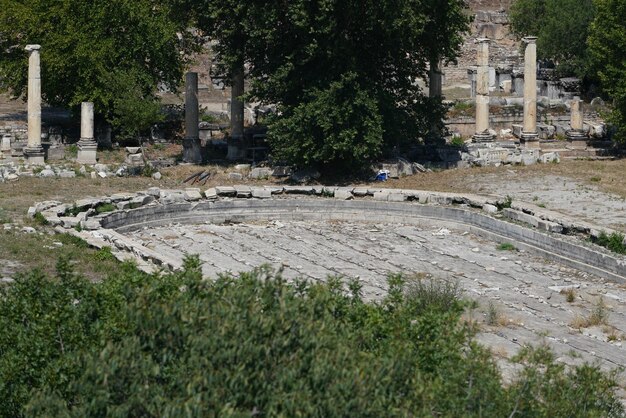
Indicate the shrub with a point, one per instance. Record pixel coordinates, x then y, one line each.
177 345
614 241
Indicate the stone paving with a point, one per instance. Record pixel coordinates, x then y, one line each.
524 289
563 194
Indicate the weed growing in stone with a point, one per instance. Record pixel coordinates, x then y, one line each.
493 314
505 204
105 207
569 293
599 316
40 219
506 246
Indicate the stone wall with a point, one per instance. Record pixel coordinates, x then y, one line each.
491 21
532 228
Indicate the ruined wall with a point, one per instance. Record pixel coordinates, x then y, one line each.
491 21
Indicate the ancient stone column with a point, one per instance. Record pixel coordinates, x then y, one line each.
87 145
529 136
435 83
435 79
192 152
482 93
236 148
34 152
576 135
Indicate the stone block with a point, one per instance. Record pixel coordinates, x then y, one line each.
360 191
381 195
549 226
211 193
275 189
90 224
226 191
490 208
140 201
343 194
396 197
243 191
299 190
261 173
192 194
235 176
261 193
154 191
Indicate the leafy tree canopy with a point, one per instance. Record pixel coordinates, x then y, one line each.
562 28
112 52
607 46
298 53
174 345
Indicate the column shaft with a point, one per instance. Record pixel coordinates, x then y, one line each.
482 92
192 151
87 146
34 151
529 132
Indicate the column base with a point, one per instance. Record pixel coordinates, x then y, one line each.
577 139
87 152
485 136
530 140
236 149
34 155
192 151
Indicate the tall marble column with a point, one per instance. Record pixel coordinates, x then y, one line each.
34 152
482 93
435 84
87 145
236 146
530 137
576 135
192 152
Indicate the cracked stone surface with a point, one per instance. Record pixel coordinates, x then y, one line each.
558 193
524 289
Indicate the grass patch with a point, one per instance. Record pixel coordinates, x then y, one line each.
595 179
599 316
105 207
506 246
4 217
104 254
40 219
569 293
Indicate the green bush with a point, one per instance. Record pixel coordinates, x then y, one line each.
176 345
339 126
613 241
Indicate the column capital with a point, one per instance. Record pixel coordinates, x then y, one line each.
32 47
530 39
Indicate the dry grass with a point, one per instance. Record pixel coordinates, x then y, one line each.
598 316
569 293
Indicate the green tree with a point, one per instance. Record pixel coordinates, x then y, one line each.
607 46
114 53
562 28
298 52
